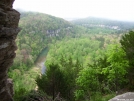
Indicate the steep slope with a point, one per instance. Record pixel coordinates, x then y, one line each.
38 30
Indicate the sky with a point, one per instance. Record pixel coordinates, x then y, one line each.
111 9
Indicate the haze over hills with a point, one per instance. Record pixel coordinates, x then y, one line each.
102 22
112 9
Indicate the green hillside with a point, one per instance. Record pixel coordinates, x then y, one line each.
84 59
101 25
38 30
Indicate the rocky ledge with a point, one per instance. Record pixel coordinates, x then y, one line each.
9 19
129 96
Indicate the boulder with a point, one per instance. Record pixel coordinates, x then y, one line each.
129 96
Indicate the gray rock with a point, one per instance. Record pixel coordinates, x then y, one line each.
129 96
9 19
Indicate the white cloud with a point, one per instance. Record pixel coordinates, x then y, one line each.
114 9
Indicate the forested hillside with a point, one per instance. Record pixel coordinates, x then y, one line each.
101 25
38 31
86 59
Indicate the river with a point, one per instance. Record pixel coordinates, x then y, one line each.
40 61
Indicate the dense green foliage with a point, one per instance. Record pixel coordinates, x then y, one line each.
52 82
37 32
85 60
104 78
86 48
127 43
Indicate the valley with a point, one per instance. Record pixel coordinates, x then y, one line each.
80 57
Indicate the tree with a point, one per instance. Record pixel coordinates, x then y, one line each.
87 84
52 82
127 43
117 68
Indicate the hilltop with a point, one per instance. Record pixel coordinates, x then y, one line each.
105 25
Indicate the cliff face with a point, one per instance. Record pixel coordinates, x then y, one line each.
9 19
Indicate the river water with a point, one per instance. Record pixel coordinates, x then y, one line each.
40 61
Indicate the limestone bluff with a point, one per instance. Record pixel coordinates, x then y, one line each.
9 19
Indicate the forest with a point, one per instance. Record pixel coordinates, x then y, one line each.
89 59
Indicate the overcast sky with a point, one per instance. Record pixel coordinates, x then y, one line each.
112 9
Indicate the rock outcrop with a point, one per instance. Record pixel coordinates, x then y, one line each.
9 19
129 96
